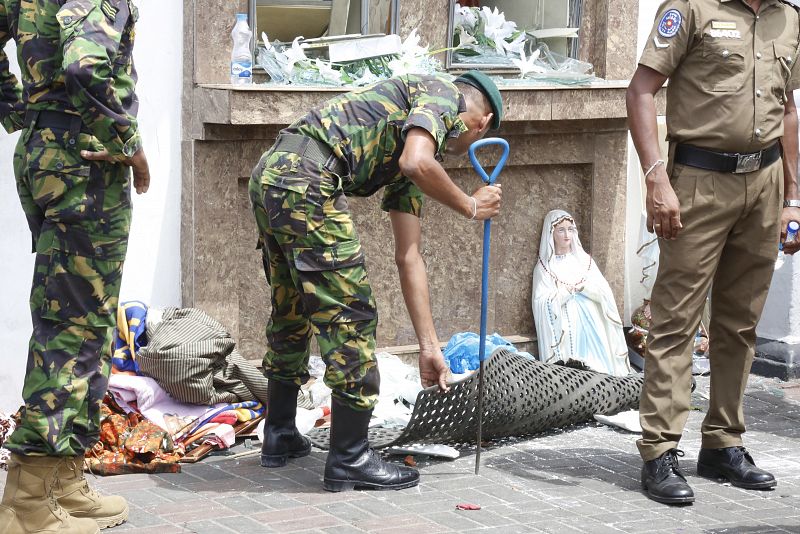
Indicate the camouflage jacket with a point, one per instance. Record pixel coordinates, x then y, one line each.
75 56
366 128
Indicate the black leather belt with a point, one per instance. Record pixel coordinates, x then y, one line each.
734 162
55 119
312 149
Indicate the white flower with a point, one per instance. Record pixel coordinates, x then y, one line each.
410 47
465 38
294 55
496 28
527 65
465 17
267 44
402 65
516 46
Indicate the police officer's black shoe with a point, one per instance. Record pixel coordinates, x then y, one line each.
735 465
663 480
352 464
281 438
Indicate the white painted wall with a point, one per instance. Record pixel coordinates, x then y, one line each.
634 291
152 268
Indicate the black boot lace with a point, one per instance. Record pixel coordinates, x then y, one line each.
669 464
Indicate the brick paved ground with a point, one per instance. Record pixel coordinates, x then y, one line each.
585 479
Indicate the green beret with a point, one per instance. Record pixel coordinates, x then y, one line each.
485 85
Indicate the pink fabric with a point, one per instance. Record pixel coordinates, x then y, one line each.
144 395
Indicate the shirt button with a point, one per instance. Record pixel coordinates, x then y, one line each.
758 92
59 165
725 53
789 60
758 132
758 55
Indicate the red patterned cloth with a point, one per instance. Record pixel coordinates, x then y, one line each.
131 444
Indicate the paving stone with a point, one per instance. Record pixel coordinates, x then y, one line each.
584 479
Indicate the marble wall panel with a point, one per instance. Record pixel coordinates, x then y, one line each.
211 38
429 17
621 24
452 250
609 184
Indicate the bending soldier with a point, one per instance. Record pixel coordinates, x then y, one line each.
386 136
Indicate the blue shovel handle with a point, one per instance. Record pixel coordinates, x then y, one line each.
487 241
477 164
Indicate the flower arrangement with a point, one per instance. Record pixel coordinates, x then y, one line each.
289 64
483 31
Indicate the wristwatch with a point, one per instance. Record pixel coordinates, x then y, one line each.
791 203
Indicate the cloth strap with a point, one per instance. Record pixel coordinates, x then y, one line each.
312 149
55 119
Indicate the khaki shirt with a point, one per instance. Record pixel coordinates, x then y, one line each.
729 70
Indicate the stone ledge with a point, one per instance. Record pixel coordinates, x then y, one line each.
775 359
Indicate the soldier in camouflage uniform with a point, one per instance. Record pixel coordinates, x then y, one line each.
387 136
77 109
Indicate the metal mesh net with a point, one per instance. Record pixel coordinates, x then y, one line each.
521 397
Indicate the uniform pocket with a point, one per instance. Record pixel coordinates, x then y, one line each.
83 289
285 209
783 61
58 179
335 288
724 63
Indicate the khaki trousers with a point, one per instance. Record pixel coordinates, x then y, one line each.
729 243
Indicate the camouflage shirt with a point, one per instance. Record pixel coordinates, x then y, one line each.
75 56
367 128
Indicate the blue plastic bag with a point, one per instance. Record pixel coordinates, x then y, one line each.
463 349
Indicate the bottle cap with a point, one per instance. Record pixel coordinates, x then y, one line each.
241 16
794 226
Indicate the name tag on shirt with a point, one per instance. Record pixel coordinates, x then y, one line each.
725 34
720 25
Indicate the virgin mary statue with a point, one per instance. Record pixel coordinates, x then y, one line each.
573 307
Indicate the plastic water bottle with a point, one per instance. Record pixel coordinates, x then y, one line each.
241 56
791 231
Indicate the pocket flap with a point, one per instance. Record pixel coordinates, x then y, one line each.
80 243
58 160
345 254
73 12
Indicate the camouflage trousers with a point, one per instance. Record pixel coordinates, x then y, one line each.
315 267
79 214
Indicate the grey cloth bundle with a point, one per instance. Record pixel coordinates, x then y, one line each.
195 360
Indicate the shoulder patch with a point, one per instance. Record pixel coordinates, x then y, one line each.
109 10
670 23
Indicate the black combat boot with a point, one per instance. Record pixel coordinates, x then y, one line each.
281 438
663 481
352 464
735 465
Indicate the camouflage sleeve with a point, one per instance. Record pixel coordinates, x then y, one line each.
98 76
12 108
434 108
403 196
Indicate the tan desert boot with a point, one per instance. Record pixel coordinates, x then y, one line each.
29 506
81 500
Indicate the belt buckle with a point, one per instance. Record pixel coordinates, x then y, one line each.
748 162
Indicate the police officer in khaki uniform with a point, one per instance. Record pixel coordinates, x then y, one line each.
718 206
